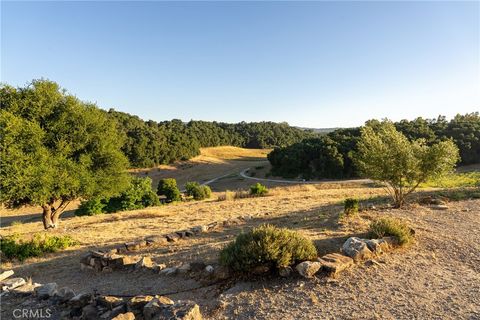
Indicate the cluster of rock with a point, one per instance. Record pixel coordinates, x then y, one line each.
87 306
353 250
116 259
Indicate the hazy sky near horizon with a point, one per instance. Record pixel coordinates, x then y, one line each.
312 64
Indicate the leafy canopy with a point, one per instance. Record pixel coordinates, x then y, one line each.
55 147
386 155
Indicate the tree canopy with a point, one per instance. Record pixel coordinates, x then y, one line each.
385 154
55 149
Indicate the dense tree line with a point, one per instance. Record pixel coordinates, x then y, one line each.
149 143
330 156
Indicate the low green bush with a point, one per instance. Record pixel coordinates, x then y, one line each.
351 206
168 188
258 189
267 245
385 227
13 248
91 207
198 192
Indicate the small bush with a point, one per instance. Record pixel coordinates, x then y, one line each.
91 207
267 245
139 195
12 248
198 192
168 188
350 206
258 189
391 227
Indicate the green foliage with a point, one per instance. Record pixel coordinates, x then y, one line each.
311 158
56 148
258 189
460 194
12 248
390 227
168 188
198 192
91 207
267 245
386 155
351 206
139 195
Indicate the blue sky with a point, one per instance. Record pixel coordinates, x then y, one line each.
313 64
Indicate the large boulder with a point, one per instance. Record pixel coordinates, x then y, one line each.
377 246
356 249
64 294
334 263
46 291
308 269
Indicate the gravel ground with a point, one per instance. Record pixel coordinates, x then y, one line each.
436 278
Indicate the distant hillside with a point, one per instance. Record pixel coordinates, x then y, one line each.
319 130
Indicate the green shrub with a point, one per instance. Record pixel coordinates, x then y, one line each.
139 195
267 245
391 227
258 189
198 192
168 188
91 207
12 248
350 206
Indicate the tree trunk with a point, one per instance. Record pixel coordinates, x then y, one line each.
47 217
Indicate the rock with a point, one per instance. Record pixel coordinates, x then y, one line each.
80 300
356 249
184 268
285 271
172 237
12 283
84 266
261 269
439 206
308 269
89 312
391 241
169 271
156 240
333 263
377 246
209 269
109 302
212 225
144 262
64 294
5 274
125 316
135 245
182 309
154 307
182 234
125 262
27 289
138 302
114 312
199 229
97 254
159 267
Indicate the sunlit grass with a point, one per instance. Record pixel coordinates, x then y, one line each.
454 180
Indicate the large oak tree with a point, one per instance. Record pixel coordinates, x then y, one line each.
56 148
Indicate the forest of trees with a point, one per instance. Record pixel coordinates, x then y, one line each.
149 143
330 156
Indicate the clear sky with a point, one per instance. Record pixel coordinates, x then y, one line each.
312 64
